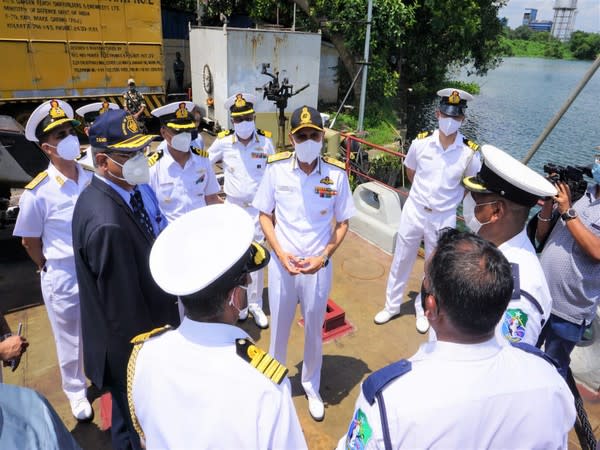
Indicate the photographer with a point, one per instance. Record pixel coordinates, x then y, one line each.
571 263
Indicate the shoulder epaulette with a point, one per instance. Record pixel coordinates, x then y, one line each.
140 338
200 152
224 133
279 156
381 378
154 157
333 162
264 133
37 180
261 360
472 145
424 134
535 351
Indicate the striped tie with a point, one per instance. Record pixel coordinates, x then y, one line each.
140 213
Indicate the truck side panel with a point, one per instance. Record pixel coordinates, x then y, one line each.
79 49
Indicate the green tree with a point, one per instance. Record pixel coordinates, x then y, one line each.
413 42
585 45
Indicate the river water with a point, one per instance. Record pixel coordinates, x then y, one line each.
516 102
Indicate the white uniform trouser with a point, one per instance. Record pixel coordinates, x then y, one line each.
257 278
312 292
61 296
416 223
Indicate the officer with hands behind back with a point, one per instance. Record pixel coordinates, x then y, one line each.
466 390
244 152
310 198
44 224
206 384
436 163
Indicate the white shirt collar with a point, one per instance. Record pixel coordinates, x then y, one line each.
452 351
209 333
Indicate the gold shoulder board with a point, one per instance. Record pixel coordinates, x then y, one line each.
154 157
261 360
279 157
140 338
200 152
334 162
472 145
37 180
224 133
264 133
138 342
424 134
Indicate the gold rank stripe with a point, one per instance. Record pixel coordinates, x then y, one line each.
261 360
134 141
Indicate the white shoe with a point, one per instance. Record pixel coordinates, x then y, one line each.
316 408
422 324
259 316
384 316
82 410
243 314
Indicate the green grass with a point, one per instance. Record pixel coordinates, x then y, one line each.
537 49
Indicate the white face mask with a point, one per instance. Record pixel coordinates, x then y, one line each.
448 125
135 170
469 206
68 148
244 129
308 150
181 142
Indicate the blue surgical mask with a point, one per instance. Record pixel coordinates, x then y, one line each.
596 172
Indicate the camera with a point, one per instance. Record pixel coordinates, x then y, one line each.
570 175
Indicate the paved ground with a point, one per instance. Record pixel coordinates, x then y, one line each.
360 274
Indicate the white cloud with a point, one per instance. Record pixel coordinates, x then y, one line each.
587 18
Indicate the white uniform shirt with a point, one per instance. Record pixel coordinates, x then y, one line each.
305 205
192 390
456 396
522 321
243 166
46 211
182 189
437 182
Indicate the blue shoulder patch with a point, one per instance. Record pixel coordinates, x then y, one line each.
535 351
381 378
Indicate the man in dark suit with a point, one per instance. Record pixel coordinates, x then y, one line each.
114 225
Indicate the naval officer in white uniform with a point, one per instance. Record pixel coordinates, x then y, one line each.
310 198
181 175
497 208
465 390
44 224
89 113
244 152
436 163
206 385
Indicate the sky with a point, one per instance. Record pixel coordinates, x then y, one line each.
587 18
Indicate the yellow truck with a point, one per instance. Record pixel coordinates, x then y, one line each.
80 51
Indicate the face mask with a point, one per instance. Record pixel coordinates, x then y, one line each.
596 172
68 148
244 129
135 170
448 125
469 206
181 142
308 150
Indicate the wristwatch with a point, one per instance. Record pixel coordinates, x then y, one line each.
325 260
570 214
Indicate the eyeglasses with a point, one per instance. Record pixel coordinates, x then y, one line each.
240 119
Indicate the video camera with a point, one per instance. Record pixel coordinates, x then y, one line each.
571 175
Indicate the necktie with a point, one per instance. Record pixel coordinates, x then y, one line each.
140 213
